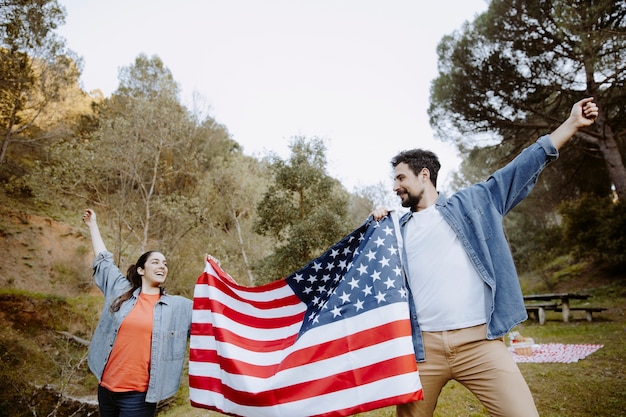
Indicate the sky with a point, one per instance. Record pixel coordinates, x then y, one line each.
354 73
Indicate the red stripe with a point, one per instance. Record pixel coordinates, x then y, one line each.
217 307
309 389
319 352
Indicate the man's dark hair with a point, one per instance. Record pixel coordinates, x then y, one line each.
417 159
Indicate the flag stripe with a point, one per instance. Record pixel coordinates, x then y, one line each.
362 358
279 296
336 403
296 392
265 321
310 354
329 333
225 335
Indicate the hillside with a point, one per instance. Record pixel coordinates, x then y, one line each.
43 255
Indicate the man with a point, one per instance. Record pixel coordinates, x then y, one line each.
464 290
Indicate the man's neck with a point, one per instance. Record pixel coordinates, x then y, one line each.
428 199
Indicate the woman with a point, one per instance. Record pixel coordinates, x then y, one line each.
138 349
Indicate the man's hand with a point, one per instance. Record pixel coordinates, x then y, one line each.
380 212
584 113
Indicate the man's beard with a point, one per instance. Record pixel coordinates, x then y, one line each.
410 201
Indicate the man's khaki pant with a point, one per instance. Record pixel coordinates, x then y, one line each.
485 367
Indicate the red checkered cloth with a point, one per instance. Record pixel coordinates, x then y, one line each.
556 352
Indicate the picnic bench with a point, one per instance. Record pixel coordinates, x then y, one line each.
588 310
537 304
538 310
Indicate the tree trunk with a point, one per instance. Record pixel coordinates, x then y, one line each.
606 143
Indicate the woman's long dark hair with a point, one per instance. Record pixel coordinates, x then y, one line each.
135 280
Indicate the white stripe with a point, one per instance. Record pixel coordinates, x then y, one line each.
397 385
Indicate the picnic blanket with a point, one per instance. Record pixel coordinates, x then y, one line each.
556 352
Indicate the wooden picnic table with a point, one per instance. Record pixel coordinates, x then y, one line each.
563 298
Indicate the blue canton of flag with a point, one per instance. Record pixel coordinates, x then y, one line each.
359 273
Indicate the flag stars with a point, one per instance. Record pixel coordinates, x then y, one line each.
403 293
362 269
367 290
353 283
345 297
336 311
330 266
384 261
390 283
397 270
298 278
358 305
371 255
375 275
380 241
388 230
317 266
380 297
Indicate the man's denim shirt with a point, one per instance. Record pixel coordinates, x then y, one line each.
170 331
476 215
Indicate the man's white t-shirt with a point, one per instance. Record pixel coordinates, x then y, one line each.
448 292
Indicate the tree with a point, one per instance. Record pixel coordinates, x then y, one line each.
36 70
304 210
148 174
230 195
515 72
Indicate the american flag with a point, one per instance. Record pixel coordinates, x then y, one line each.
332 339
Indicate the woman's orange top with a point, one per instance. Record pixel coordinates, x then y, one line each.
128 367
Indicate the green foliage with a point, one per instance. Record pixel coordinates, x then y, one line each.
37 72
593 228
304 210
587 229
27 25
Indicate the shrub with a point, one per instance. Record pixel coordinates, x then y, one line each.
593 228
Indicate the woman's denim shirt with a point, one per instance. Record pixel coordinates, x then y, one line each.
476 215
170 330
